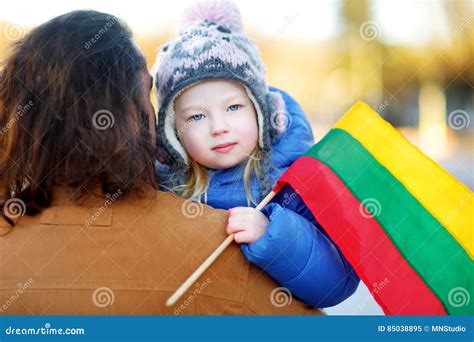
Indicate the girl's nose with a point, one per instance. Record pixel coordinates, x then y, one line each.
219 126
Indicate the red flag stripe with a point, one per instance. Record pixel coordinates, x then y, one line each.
397 288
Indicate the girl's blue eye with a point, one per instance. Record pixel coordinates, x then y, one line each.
196 117
234 107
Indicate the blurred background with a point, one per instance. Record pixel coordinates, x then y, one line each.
411 60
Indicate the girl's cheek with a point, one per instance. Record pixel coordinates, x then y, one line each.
249 126
193 142
187 139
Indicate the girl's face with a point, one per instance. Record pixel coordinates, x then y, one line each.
217 123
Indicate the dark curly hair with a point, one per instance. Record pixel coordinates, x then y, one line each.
73 111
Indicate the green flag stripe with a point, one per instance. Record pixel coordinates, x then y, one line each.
426 245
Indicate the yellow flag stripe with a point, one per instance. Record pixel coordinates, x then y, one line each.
447 199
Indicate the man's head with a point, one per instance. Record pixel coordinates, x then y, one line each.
75 110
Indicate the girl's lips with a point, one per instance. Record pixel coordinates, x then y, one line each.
224 148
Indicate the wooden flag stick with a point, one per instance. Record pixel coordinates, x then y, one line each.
210 259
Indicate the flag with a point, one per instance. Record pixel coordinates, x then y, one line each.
403 222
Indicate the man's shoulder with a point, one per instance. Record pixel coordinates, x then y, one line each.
138 252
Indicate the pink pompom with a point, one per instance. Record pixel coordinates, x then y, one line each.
223 12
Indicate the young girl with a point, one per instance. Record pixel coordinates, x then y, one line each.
224 138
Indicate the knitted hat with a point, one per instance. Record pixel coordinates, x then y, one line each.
211 45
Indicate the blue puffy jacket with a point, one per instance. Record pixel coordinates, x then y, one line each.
295 250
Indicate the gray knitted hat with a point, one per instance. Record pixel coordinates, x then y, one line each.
211 45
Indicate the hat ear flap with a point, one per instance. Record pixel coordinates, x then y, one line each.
169 148
162 151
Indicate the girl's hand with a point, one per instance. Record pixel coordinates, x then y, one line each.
247 224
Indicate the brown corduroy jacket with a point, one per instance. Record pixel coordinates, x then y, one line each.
126 255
